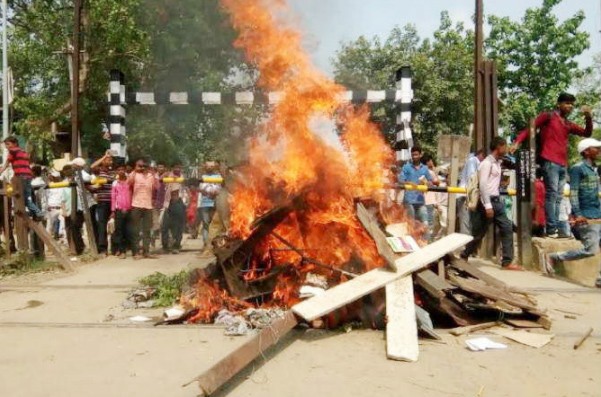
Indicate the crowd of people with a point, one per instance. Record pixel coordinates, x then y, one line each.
131 206
139 202
566 204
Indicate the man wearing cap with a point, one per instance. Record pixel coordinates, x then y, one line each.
584 183
555 129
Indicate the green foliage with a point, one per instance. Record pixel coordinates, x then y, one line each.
168 289
536 59
110 38
442 81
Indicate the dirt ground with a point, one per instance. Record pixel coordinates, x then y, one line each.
67 335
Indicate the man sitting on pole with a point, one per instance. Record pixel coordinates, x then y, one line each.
555 130
491 208
584 185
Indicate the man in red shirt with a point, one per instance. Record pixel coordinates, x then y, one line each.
555 129
19 161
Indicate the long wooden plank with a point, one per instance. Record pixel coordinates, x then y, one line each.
230 365
370 223
43 234
354 289
401 325
435 286
494 293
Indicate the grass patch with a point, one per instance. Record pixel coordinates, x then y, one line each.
22 263
167 289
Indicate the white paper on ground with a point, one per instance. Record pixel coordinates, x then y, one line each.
481 344
173 313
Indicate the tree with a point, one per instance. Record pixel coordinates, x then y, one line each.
37 52
442 83
535 58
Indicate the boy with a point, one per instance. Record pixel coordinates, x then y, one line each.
19 161
584 184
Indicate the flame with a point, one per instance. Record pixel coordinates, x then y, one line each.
312 145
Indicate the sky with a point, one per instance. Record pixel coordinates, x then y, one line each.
326 23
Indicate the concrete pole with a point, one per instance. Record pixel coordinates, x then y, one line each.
5 106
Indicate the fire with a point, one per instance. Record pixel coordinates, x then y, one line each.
312 145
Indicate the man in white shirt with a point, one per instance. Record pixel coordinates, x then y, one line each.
54 198
491 208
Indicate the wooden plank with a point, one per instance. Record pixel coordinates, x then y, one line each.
86 214
473 271
356 288
43 234
472 328
370 223
6 219
20 224
584 337
453 181
230 365
519 323
494 293
401 324
433 284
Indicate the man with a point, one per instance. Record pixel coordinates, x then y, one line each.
73 221
491 208
103 168
121 213
174 221
555 129
19 161
206 203
159 199
56 223
584 184
173 218
415 173
430 197
470 168
143 183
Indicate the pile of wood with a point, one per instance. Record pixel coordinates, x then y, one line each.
449 289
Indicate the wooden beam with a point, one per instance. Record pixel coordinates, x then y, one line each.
370 223
356 288
43 234
453 181
401 324
86 213
433 284
6 219
230 365
20 224
494 293
473 271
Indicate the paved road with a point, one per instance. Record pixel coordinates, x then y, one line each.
69 336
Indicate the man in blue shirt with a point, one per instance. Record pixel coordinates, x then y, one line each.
584 197
413 174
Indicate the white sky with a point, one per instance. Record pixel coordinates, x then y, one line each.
325 23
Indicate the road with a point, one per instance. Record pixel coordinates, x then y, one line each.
68 335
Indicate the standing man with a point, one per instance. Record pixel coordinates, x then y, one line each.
143 183
208 191
415 173
173 216
584 184
470 168
555 129
103 168
491 208
19 161
56 223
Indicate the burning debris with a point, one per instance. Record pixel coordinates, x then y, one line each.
307 220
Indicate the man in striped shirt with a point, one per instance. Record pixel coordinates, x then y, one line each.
103 168
19 161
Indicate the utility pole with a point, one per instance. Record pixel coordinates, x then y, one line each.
5 88
479 133
75 81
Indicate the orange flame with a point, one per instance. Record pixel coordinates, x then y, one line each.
313 144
